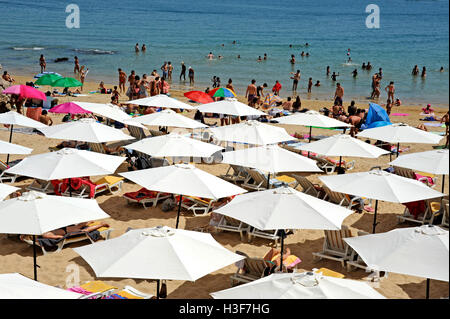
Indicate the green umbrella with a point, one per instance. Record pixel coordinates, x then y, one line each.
48 79
66 83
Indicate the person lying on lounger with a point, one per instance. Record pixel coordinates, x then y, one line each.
82 227
289 261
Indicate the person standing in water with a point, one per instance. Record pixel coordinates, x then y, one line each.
144 48
390 89
424 72
292 60
191 76
328 71
355 73
42 63
183 71
415 70
310 84
136 48
296 79
169 71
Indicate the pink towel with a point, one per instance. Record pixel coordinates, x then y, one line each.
399 114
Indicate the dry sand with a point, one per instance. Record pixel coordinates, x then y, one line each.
16 256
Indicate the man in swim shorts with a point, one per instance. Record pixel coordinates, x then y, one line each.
251 91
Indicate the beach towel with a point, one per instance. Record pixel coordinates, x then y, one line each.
429 179
289 262
399 114
34 113
434 124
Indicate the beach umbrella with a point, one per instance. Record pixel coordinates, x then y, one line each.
307 285
285 208
271 100
160 253
251 132
311 119
433 162
25 91
6 189
414 251
162 100
68 107
85 130
110 111
37 76
66 163
9 148
66 83
17 286
13 118
400 133
174 145
230 107
380 185
36 213
222 92
47 79
184 180
167 118
272 159
343 145
198 96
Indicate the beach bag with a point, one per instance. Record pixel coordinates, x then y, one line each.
168 205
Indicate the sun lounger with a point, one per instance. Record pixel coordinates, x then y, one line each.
40 185
235 174
5 177
334 248
405 172
308 187
355 260
137 132
156 133
266 234
227 223
252 269
426 208
329 165
89 189
94 289
340 198
256 181
97 147
129 293
199 206
145 197
445 214
105 233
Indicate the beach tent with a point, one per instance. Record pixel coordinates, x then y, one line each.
174 145
284 208
160 253
433 162
5 190
376 117
380 185
162 100
17 286
414 251
167 118
36 213
183 179
306 285
85 130
251 132
272 159
13 118
343 145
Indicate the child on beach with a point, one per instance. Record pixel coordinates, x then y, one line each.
310 84
277 87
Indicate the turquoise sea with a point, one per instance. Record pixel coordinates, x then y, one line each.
411 32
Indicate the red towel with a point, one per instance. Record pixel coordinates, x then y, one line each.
416 208
430 180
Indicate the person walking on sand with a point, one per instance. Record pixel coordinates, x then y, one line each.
250 93
132 78
83 74
76 68
42 63
338 94
183 71
296 79
390 89
191 76
122 80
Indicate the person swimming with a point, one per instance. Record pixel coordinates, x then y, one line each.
210 56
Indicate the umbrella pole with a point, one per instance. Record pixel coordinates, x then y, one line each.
268 181
340 161
179 210
70 187
282 248
157 289
310 131
443 183
398 148
10 139
428 289
375 217
34 257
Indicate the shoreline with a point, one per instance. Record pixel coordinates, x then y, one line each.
177 91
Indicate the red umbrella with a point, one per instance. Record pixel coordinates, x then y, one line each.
199 96
25 91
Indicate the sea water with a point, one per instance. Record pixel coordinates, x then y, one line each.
410 32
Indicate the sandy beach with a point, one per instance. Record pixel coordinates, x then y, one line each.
16 256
